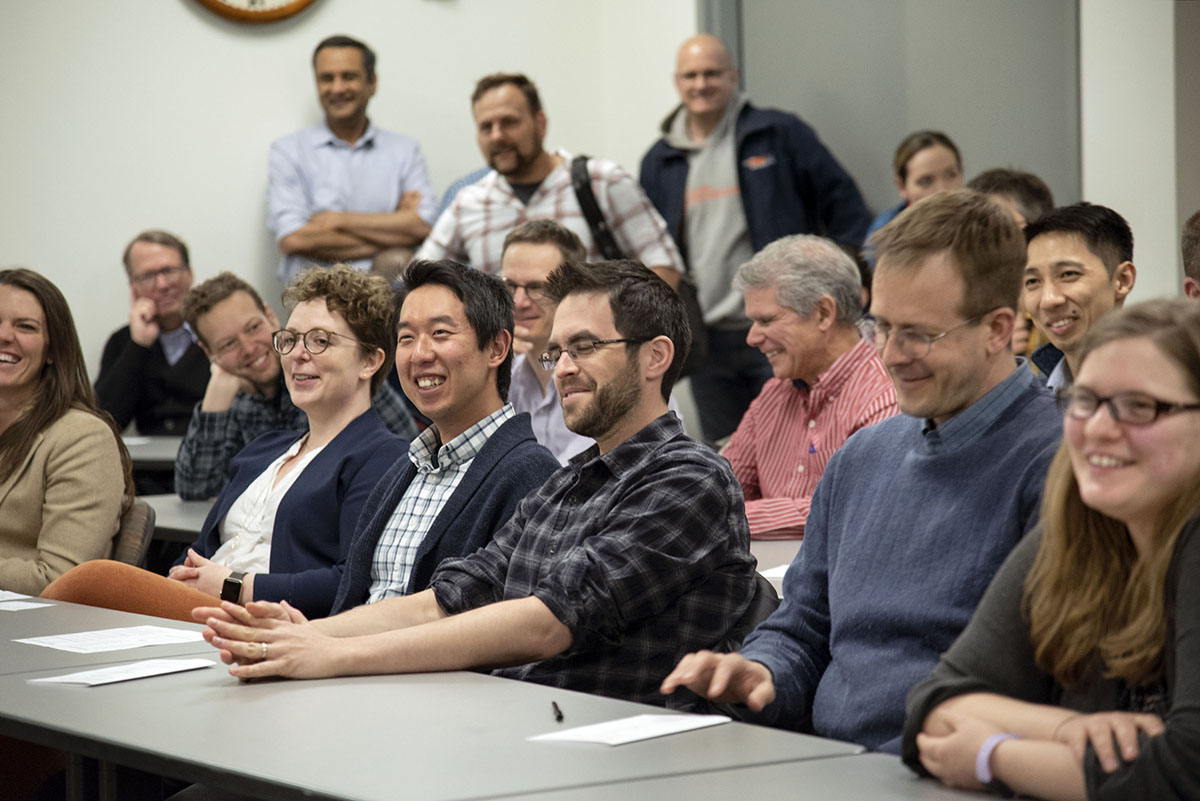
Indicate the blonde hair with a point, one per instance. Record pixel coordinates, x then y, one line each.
1089 596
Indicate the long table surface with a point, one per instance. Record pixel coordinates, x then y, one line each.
177 520
442 737
156 452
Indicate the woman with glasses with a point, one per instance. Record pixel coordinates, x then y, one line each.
281 528
1077 676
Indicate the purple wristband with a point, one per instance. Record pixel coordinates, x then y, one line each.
983 759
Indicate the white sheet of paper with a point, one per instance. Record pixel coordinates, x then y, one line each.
631 730
775 572
92 642
17 606
9 595
127 671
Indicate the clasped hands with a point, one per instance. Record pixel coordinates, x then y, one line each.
265 639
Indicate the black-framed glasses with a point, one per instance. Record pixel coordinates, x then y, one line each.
150 277
316 340
1129 408
582 349
915 344
535 291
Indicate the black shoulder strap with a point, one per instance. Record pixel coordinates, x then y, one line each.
601 233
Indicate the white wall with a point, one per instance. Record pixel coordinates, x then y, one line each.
1127 99
156 113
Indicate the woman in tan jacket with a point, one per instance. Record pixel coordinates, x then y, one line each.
65 475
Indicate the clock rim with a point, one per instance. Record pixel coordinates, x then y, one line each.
256 17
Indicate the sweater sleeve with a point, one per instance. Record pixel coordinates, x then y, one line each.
118 385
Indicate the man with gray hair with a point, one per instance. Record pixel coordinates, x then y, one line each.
803 298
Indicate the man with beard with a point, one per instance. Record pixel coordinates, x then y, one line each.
245 396
527 182
618 565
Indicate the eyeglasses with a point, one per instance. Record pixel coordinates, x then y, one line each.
914 344
1128 408
316 340
534 292
151 276
581 350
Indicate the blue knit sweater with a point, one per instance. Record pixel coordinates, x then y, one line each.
907 527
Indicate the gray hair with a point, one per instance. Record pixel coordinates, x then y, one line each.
802 269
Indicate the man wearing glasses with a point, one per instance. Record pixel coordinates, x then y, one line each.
631 556
729 178
245 396
152 372
914 514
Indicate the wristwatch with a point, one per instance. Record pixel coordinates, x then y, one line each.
983 764
231 589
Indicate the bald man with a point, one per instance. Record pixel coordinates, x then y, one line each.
729 179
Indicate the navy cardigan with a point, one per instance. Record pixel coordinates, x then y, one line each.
508 467
315 520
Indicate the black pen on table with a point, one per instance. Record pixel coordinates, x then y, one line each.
558 715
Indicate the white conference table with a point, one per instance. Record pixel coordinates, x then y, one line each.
152 453
440 737
773 553
177 520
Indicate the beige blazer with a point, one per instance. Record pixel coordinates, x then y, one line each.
62 505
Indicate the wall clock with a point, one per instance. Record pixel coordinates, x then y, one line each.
255 11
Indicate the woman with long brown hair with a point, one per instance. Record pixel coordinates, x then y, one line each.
1077 676
64 473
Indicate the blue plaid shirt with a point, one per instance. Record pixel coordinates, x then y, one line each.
643 553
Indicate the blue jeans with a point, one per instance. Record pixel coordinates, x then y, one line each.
732 376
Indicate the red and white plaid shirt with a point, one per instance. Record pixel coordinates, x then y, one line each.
473 228
788 435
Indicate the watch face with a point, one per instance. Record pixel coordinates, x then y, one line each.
255 11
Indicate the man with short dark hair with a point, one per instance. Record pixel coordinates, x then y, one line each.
1191 256
730 178
528 182
1079 267
802 296
621 562
914 514
1022 194
346 191
151 371
246 395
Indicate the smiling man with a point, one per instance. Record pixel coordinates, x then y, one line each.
1079 267
914 514
528 182
803 300
246 396
634 554
346 191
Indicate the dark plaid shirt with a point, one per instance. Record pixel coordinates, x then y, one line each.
642 553
213 438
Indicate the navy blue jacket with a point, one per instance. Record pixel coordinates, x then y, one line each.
790 183
316 518
508 467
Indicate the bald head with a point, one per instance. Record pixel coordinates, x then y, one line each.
706 80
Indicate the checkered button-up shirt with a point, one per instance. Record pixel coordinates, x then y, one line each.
473 228
440 469
643 553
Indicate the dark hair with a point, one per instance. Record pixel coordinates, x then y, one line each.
204 296
1105 232
365 301
368 55
487 304
155 236
547 232
982 239
497 79
914 143
1191 247
643 305
63 383
1028 192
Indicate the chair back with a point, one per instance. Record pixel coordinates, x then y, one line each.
132 539
764 602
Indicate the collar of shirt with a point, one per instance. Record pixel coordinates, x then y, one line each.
323 137
428 457
1060 376
835 376
633 450
554 180
979 416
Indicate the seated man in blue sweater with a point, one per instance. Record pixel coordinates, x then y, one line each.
913 514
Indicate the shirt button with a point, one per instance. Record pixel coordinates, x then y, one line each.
812 423
800 469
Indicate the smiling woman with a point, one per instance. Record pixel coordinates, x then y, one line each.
64 474
1073 677
281 528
